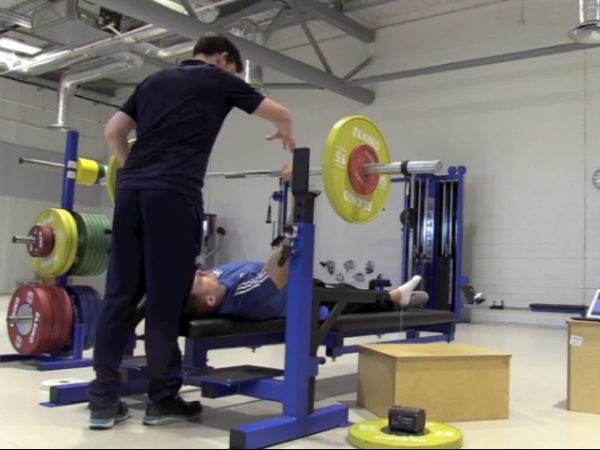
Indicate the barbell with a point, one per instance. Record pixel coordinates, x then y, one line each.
61 242
40 319
355 170
88 172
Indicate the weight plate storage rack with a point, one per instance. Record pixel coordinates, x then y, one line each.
54 325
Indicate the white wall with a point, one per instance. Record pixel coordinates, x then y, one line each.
25 113
525 130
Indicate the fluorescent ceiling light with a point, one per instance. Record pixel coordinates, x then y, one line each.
10 59
172 5
16 46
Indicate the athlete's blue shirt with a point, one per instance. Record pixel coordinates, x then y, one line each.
250 292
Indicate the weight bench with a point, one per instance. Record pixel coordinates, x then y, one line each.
309 329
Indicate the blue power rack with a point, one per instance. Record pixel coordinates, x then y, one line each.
433 236
74 359
302 336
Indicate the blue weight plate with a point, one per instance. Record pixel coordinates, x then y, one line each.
88 312
99 307
78 317
91 295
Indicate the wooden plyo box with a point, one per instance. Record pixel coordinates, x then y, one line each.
452 382
584 367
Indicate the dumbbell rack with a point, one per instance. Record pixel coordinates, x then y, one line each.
74 359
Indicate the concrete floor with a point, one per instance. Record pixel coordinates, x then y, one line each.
538 392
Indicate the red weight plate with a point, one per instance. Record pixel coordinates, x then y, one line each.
53 344
29 337
362 183
44 242
67 314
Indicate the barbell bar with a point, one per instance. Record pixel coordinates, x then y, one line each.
394 168
14 320
88 171
28 240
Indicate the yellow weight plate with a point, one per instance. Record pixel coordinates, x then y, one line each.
70 221
111 175
111 178
63 254
87 171
375 434
355 196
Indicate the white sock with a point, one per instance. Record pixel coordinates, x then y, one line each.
407 289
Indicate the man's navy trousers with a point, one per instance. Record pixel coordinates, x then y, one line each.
156 237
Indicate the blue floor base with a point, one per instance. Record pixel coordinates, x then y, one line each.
45 363
285 429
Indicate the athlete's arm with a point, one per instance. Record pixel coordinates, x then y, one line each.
117 133
248 99
119 127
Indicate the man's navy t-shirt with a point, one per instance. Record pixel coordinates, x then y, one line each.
179 113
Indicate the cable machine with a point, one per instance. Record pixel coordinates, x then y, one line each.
432 222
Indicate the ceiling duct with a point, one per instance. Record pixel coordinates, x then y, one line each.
253 72
70 81
66 23
588 30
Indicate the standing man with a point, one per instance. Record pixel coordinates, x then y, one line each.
156 236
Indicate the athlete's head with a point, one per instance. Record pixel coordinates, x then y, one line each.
216 49
205 296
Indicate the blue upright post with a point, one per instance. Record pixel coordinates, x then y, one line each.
69 176
284 198
405 275
459 241
298 362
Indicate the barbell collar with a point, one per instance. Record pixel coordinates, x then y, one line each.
42 163
14 320
413 167
23 240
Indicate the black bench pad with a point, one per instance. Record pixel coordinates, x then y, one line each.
349 322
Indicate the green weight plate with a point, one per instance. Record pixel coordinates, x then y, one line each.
375 434
91 259
102 241
82 264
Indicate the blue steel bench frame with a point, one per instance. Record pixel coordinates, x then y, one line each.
302 337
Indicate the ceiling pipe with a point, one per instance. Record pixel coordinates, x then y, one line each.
253 72
55 60
69 81
191 28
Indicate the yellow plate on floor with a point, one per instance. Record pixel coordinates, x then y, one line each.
375 434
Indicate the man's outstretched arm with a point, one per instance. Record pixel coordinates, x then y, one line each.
280 275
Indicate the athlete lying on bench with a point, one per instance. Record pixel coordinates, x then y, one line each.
258 291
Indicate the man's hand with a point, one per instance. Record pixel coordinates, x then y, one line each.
289 142
286 172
